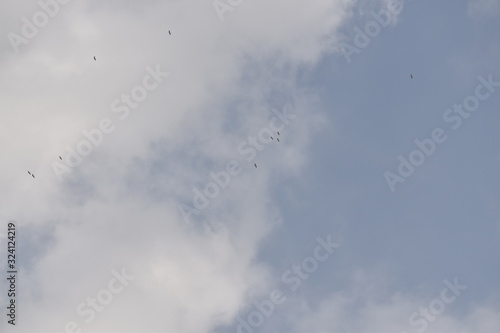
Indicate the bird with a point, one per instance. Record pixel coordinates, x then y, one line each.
255 164
411 76
278 133
272 138
94 58
278 139
60 158
169 32
32 175
29 172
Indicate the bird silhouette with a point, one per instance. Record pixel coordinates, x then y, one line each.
94 58
278 139
169 32
411 76
278 133
29 172
32 175
255 164
272 138
60 158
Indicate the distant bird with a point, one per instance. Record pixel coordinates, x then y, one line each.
255 164
278 133
272 138
278 139
169 32
60 158
94 58
411 76
29 172
32 175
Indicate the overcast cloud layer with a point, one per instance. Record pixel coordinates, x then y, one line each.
377 210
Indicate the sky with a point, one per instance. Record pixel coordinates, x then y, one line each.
159 198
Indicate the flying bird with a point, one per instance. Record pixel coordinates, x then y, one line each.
32 175
255 164
272 138
60 158
94 58
278 139
169 32
278 133
411 76
29 172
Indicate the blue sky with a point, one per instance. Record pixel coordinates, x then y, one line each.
129 200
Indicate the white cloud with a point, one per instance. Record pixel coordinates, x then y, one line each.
369 306
119 207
